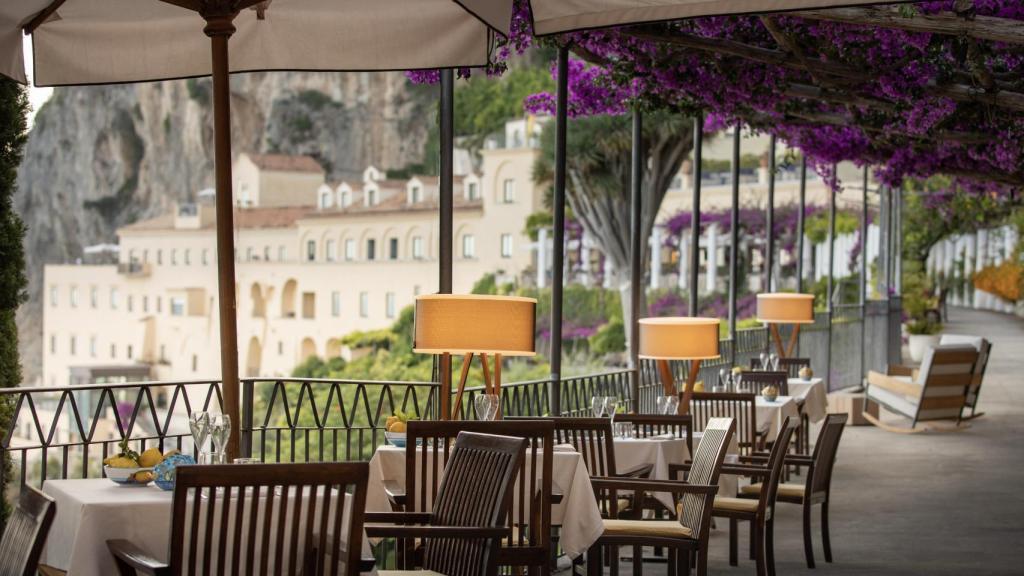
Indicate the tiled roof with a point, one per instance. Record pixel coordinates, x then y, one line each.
285 163
246 218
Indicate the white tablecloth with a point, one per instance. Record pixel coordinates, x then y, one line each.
771 414
92 511
632 453
813 394
577 514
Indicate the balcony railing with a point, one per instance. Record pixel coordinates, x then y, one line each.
66 432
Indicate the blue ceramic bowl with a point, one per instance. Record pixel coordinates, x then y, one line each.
165 471
396 439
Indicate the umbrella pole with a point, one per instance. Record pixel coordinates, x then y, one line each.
220 28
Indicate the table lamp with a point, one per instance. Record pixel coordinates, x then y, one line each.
679 338
785 308
471 324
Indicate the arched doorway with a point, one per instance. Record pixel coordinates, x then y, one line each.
253 357
333 349
259 303
308 349
288 299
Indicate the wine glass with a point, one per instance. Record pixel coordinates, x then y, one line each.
667 405
764 361
199 424
220 432
486 406
774 360
737 380
598 405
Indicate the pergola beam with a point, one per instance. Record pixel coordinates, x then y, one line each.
989 28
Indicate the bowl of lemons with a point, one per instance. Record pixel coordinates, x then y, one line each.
129 468
394 428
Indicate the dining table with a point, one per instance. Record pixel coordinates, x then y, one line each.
812 394
772 413
576 513
94 510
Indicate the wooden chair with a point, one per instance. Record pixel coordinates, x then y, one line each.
742 408
759 512
754 381
683 537
818 487
462 533
25 533
936 391
593 439
984 348
529 543
791 366
261 506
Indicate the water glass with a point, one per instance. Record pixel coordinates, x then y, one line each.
624 430
220 433
667 405
486 406
199 424
764 361
598 405
737 380
611 406
774 361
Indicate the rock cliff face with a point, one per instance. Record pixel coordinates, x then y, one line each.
101 157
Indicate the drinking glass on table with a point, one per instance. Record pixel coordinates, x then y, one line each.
486 406
598 405
667 405
764 361
737 379
611 406
220 433
774 361
199 424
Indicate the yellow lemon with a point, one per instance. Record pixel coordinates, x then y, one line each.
389 422
122 462
397 427
169 453
698 386
143 477
150 458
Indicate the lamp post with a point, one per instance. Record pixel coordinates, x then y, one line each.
776 308
679 338
471 325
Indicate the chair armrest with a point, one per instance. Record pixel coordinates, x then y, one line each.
633 485
397 517
641 471
392 531
395 494
893 384
799 460
742 470
754 458
675 469
129 554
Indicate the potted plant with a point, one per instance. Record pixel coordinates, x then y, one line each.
923 333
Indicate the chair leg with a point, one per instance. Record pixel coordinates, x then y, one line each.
808 545
753 540
613 560
702 560
671 556
638 560
826 543
733 542
594 567
769 546
759 560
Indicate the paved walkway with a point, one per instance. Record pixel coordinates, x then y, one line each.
929 504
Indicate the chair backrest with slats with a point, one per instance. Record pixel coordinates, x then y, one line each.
754 381
25 533
476 491
429 445
592 438
282 519
825 450
984 348
707 464
648 425
790 366
776 462
740 407
945 375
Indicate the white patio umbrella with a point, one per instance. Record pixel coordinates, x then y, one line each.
119 41
558 16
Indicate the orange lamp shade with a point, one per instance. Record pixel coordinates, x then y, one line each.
785 308
478 324
679 338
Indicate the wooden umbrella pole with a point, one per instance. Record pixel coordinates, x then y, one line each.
691 380
793 338
220 27
467 361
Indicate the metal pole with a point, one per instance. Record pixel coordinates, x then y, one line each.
769 256
800 225
558 256
446 177
863 292
219 28
698 152
734 238
898 242
831 273
636 253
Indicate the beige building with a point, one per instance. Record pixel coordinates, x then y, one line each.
315 260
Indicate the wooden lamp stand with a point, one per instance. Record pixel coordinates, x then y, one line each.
787 350
491 385
669 384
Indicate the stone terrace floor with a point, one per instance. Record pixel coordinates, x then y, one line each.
929 504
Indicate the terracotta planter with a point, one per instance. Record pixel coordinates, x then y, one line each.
919 344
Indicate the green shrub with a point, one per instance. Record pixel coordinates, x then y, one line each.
609 339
